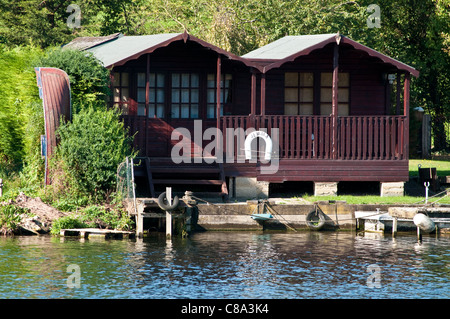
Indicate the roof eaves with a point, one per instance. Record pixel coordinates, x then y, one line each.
399 65
176 37
306 51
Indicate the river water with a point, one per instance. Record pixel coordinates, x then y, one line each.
219 265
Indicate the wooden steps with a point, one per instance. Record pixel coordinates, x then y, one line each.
201 178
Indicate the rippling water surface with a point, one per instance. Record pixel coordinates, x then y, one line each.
228 265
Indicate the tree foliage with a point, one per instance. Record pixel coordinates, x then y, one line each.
18 91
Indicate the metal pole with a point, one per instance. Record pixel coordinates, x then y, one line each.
426 184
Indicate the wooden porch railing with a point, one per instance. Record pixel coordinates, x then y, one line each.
311 137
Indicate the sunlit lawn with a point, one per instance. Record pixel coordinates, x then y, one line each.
442 167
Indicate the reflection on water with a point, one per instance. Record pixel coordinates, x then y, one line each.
228 265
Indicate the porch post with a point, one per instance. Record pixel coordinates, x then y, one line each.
263 94
218 107
398 92
253 94
218 77
406 111
334 105
147 101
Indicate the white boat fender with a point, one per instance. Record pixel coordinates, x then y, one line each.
164 204
424 223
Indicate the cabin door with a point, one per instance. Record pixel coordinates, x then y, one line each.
184 109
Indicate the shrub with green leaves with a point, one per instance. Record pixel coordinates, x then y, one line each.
91 147
67 222
89 79
10 217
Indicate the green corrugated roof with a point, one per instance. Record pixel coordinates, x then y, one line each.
287 46
123 47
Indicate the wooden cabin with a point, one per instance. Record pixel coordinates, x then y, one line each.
340 111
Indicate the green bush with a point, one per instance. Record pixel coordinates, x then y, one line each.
91 147
93 217
109 217
89 79
10 217
67 222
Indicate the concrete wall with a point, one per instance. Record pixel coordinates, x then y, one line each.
238 216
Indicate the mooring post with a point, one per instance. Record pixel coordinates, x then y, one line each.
419 234
140 221
426 184
394 226
168 213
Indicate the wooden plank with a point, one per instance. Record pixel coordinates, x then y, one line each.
188 181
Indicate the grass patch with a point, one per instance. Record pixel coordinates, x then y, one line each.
442 166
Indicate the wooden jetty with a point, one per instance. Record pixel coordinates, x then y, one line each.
98 232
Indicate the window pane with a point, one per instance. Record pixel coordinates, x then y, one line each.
291 79
306 109
175 80
326 79
116 95
151 110
141 110
194 80
343 109
141 95
160 96
175 96
125 94
343 95
141 79
160 80
325 109
210 113
184 111
194 96
125 109
306 95
211 96
326 95
211 80
307 79
185 80
344 79
175 111
160 110
194 111
291 95
152 97
227 96
152 79
185 96
290 109
124 77
116 79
